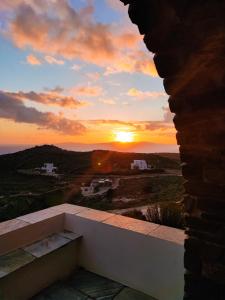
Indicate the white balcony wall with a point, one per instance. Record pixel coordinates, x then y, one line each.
142 255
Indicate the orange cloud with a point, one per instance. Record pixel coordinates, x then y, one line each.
158 126
52 97
13 108
127 39
33 60
89 91
63 31
140 95
134 61
136 126
52 60
67 33
115 124
9 4
107 101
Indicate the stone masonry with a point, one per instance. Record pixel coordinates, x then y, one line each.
188 39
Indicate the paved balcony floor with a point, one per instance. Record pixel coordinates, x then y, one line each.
84 285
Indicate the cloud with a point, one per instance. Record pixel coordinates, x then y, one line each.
61 31
14 109
133 61
89 91
101 122
168 116
76 67
52 60
165 125
57 89
33 60
107 101
136 126
114 83
9 4
157 125
52 97
140 95
69 33
93 76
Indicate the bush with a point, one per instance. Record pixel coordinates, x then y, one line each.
136 214
168 214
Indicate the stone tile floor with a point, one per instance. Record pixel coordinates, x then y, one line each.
84 285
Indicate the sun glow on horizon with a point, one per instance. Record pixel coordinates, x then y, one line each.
124 136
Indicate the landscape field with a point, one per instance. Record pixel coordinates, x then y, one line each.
22 190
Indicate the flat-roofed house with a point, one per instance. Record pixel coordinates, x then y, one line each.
140 165
49 168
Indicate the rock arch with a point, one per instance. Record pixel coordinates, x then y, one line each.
188 39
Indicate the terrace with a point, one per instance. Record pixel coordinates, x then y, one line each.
73 252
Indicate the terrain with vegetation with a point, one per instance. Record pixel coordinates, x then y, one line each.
22 191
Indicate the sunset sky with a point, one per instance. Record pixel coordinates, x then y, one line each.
77 72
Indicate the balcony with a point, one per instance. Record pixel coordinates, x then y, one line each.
43 252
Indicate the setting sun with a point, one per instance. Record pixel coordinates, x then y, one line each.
124 136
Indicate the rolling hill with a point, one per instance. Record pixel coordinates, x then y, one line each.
134 147
73 162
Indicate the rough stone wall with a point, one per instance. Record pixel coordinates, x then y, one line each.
188 39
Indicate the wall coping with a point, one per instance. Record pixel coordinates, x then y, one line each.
141 227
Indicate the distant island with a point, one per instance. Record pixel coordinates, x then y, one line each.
137 147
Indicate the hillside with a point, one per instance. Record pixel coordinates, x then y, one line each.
134 147
24 192
36 156
71 162
173 156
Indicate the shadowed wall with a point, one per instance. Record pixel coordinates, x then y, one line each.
188 39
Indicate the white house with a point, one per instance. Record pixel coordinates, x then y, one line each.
49 169
140 165
103 184
87 190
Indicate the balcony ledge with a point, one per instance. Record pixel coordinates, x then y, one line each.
135 253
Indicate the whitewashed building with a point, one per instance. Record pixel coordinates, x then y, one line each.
96 186
138 164
87 190
49 169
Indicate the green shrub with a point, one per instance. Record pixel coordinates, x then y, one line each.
168 214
